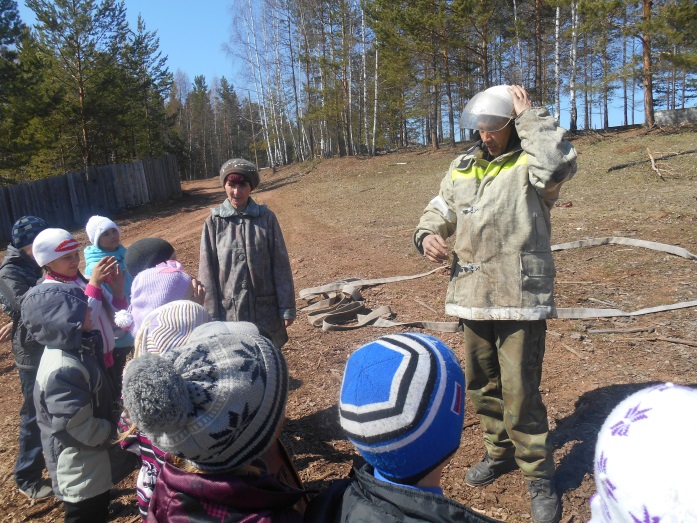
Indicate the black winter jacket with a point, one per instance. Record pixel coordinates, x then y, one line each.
19 273
365 499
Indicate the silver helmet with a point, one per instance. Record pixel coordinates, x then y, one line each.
489 110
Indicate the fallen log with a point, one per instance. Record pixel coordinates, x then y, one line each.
677 340
621 331
630 164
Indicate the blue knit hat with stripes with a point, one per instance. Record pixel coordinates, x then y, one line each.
402 404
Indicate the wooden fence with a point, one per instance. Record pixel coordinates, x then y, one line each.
69 200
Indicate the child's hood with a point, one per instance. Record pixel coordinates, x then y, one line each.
54 315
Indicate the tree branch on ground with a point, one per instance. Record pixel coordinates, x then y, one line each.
630 164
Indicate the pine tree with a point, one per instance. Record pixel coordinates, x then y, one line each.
230 120
84 37
200 139
149 82
11 31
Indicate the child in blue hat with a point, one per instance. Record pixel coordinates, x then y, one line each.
19 272
402 405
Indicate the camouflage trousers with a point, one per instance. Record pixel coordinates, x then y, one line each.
503 368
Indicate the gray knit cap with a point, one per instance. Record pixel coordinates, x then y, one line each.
241 167
217 401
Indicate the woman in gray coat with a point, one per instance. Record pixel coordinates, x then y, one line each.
243 261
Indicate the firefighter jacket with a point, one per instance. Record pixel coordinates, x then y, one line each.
499 212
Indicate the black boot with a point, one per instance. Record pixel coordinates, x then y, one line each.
487 470
544 502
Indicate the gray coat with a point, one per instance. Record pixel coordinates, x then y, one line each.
499 212
245 268
74 397
19 273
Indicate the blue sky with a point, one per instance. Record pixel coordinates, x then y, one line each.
191 33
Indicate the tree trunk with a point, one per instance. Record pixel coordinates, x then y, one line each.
449 94
375 102
557 74
634 83
573 124
538 50
519 45
606 72
587 76
624 68
365 82
346 86
434 109
673 81
649 120
485 58
261 95
295 94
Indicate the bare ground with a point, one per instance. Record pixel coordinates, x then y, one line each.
354 218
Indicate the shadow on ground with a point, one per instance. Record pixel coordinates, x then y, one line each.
289 179
582 427
310 438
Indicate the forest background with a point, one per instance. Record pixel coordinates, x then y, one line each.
81 87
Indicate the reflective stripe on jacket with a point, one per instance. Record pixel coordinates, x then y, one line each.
500 214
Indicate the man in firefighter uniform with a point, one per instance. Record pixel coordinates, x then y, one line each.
496 199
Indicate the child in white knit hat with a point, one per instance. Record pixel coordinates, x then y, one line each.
57 252
215 405
165 328
105 241
638 474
